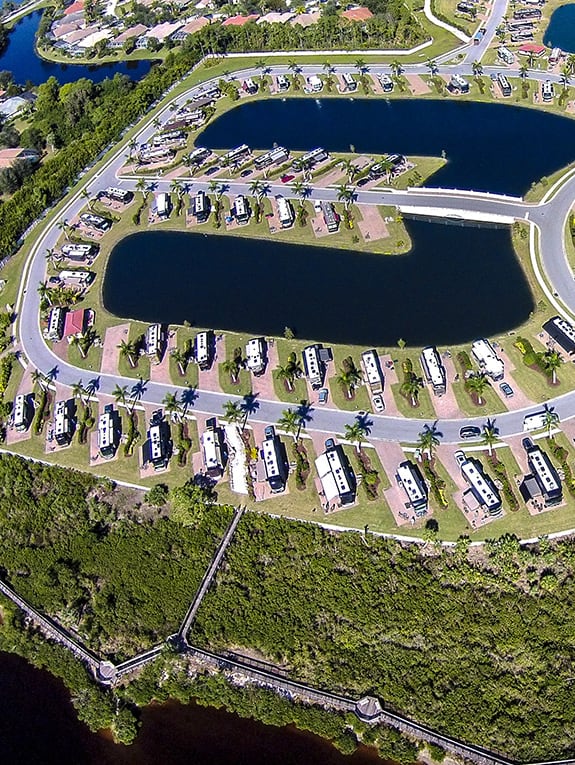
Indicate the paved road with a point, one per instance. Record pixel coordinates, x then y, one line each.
549 217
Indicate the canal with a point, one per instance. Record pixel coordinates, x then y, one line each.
38 724
456 284
21 59
489 146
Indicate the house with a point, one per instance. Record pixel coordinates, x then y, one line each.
274 458
161 32
109 432
314 366
74 8
372 372
128 34
434 370
63 425
489 362
12 106
275 17
191 28
361 13
9 156
562 332
21 413
532 49
240 21
285 212
76 322
214 449
96 35
55 330
203 349
256 355
544 480
158 446
155 342
409 478
306 19
482 490
338 482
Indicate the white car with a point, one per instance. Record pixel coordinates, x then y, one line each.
378 403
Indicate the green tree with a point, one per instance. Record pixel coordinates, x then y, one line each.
428 440
355 432
477 384
233 411
190 502
490 435
552 361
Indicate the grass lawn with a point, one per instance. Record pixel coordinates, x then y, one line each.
142 368
446 10
536 384
299 393
424 410
492 404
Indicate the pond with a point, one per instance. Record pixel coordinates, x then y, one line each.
36 717
457 283
21 59
561 30
489 146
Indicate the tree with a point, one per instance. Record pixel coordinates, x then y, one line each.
346 195
63 226
550 419
523 71
172 405
387 166
233 411
120 394
349 376
490 435
477 68
477 384
190 502
180 359
432 66
290 421
349 169
410 388
232 368
565 77
45 292
300 190
38 378
85 194
396 68
142 187
428 440
290 372
79 391
355 432
361 66
327 67
552 361
128 351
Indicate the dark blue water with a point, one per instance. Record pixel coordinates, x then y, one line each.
561 30
490 147
21 59
456 284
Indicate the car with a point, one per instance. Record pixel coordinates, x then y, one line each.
269 432
378 403
363 182
460 457
506 389
469 431
322 395
330 443
212 170
527 444
245 173
287 178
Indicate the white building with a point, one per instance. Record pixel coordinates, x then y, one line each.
434 370
481 486
285 212
489 362
414 486
336 476
256 355
313 366
372 371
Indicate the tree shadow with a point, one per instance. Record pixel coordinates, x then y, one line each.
364 421
189 397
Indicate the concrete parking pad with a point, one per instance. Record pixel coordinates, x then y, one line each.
110 351
372 226
417 85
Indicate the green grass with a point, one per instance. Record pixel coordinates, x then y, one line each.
142 368
492 404
299 393
424 410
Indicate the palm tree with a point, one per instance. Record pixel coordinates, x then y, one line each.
293 66
432 66
78 390
132 146
86 195
327 67
387 166
45 292
233 411
355 432
346 195
39 379
300 190
128 351
156 122
490 435
396 68
565 77
232 368
361 66
142 186
181 360
523 71
428 440
172 405
349 169
477 68
410 388
571 63
552 360
290 421
176 188
550 419
64 227
349 377
477 384
290 372
257 189
120 394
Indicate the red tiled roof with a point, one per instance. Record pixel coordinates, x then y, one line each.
75 322
357 14
74 8
538 50
239 21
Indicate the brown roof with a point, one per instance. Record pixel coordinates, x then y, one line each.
239 21
305 19
195 25
357 14
9 156
74 8
136 31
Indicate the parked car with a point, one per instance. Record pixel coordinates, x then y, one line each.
270 431
378 403
506 389
469 431
322 395
363 182
287 178
245 173
460 457
212 170
527 444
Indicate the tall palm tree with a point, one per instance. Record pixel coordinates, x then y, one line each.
256 189
346 195
552 360
172 405
176 188
78 390
428 440
142 187
477 383
85 194
38 378
45 292
432 66
300 190
490 435
396 68
120 394
565 77
349 169
181 360
128 351
477 68
355 432
361 66
327 67
64 227
132 146
233 411
349 378
232 368
523 71
570 63
410 388
387 166
291 422
294 67
550 419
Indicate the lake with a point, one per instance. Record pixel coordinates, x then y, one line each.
39 725
561 30
21 59
489 146
437 294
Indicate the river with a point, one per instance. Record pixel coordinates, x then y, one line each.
38 724
21 59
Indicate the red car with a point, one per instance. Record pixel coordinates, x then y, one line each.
287 178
